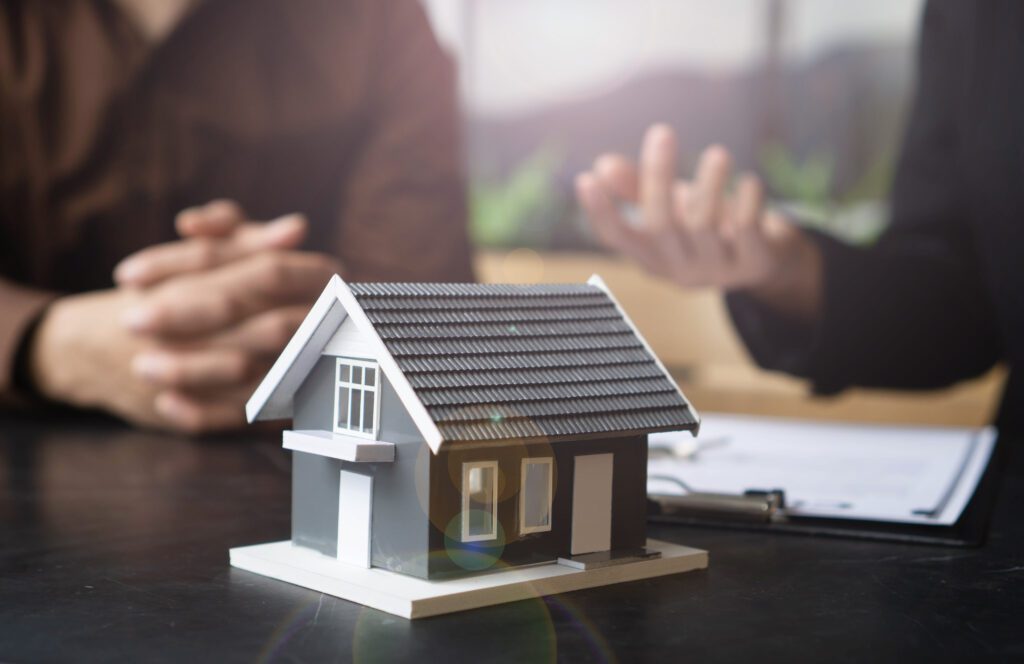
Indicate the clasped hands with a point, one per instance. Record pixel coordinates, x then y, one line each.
191 327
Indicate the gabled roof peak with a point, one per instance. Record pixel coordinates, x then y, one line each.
483 362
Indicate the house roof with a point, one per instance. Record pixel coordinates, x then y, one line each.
484 362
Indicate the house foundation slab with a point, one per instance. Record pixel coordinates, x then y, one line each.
411 598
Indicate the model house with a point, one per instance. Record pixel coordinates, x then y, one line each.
444 429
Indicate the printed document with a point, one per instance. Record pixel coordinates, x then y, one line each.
903 474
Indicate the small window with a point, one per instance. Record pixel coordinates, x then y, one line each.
479 501
535 495
356 403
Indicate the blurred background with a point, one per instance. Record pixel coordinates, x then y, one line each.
810 94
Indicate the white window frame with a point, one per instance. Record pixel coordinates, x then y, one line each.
352 363
550 462
466 468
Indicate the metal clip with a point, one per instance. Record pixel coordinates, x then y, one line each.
754 505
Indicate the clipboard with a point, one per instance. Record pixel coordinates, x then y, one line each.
765 511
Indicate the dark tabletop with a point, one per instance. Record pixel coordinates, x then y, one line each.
114 547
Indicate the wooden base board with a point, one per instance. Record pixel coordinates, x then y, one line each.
410 597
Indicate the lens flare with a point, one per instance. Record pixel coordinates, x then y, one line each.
472 556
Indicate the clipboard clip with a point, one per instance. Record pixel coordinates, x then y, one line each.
752 506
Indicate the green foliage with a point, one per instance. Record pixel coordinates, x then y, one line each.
806 186
809 181
513 211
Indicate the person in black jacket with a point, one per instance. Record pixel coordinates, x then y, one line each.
939 298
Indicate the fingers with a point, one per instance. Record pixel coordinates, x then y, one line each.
215 219
709 187
155 264
203 387
682 193
208 368
198 414
265 333
226 358
617 175
657 175
703 207
746 216
211 301
607 221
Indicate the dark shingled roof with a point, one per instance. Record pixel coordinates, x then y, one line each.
494 362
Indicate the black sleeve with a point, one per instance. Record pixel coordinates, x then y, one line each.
912 311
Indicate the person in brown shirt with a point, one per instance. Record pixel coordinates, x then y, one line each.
150 136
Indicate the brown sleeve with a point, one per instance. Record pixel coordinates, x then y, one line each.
20 308
403 212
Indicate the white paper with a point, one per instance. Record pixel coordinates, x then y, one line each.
881 473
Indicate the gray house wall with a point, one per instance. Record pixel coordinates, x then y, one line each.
314 401
400 527
315 479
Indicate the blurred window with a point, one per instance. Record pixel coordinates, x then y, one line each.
535 495
479 501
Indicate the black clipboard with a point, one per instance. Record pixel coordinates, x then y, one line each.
970 530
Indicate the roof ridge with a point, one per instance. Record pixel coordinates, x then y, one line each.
364 290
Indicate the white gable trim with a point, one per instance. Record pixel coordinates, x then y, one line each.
273 398
596 280
417 411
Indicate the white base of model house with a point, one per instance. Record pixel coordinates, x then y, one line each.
410 597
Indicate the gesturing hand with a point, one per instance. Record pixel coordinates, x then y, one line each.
696 233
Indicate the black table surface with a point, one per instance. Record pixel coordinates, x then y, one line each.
115 548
